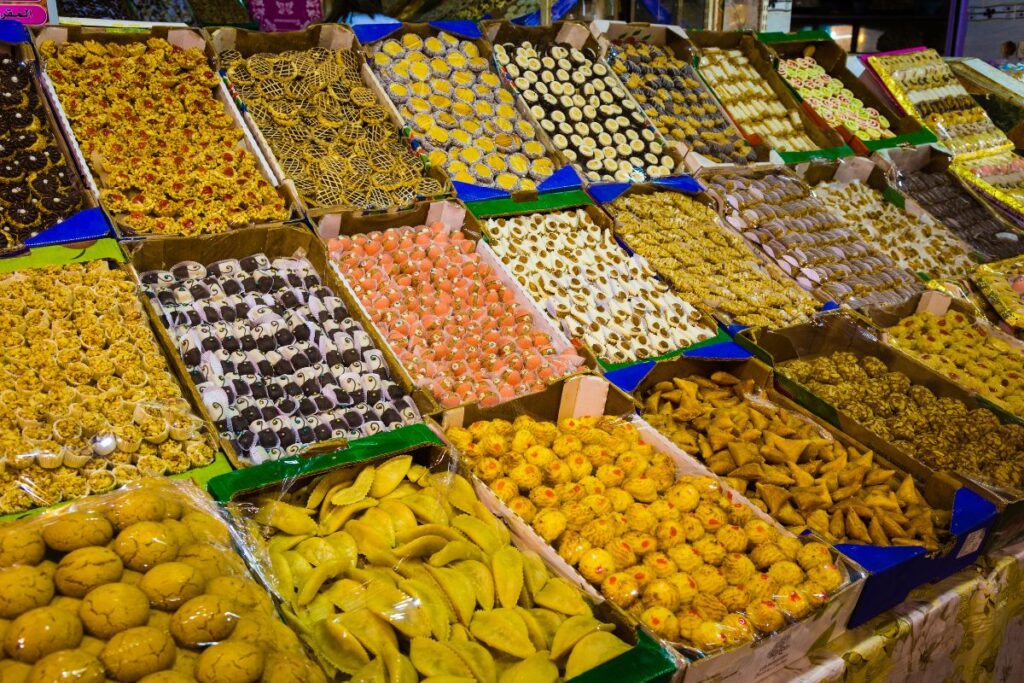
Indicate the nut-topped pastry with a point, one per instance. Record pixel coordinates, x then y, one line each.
164 152
676 101
585 111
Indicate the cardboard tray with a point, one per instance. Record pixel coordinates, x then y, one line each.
592 396
88 223
974 504
830 143
609 33
274 241
697 193
827 53
563 179
179 37
455 215
574 34
646 661
893 571
330 36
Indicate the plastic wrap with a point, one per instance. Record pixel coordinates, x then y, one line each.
998 177
394 569
164 10
95 9
221 12
690 560
279 361
926 88
467 119
134 583
791 467
777 212
459 329
941 194
164 152
39 186
943 431
316 110
916 242
677 102
91 402
599 294
685 242
1002 283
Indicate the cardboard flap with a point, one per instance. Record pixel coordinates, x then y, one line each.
449 214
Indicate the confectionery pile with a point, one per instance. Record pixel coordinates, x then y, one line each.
925 86
91 401
941 195
999 175
791 468
808 241
686 244
676 552
171 158
466 603
1002 283
598 294
458 329
585 111
834 102
94 9
330 135
275 354
751 102
37 187
918 243
677 103
976 356
220 12
939 431
444 86
141 584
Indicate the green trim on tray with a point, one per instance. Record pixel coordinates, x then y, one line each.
830 153
720 336
646 662
200 475
225 487
548 201
60 255
769 37
919 137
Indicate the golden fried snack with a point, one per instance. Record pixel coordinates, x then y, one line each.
165 153
393 568
972 355
690 563
941 432
686 244
789 466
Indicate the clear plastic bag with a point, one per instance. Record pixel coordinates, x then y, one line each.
91 402
136 582
690 560
393 568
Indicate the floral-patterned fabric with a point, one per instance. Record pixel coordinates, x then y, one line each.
968 627
285 15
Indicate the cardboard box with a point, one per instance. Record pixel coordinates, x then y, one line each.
89 223
563 179
608 194
830 144
646 662
892 572
1010 525
329 36
603 221
184 38
278 241
455 216
573 34
832 58
973 515
609 33
593 396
